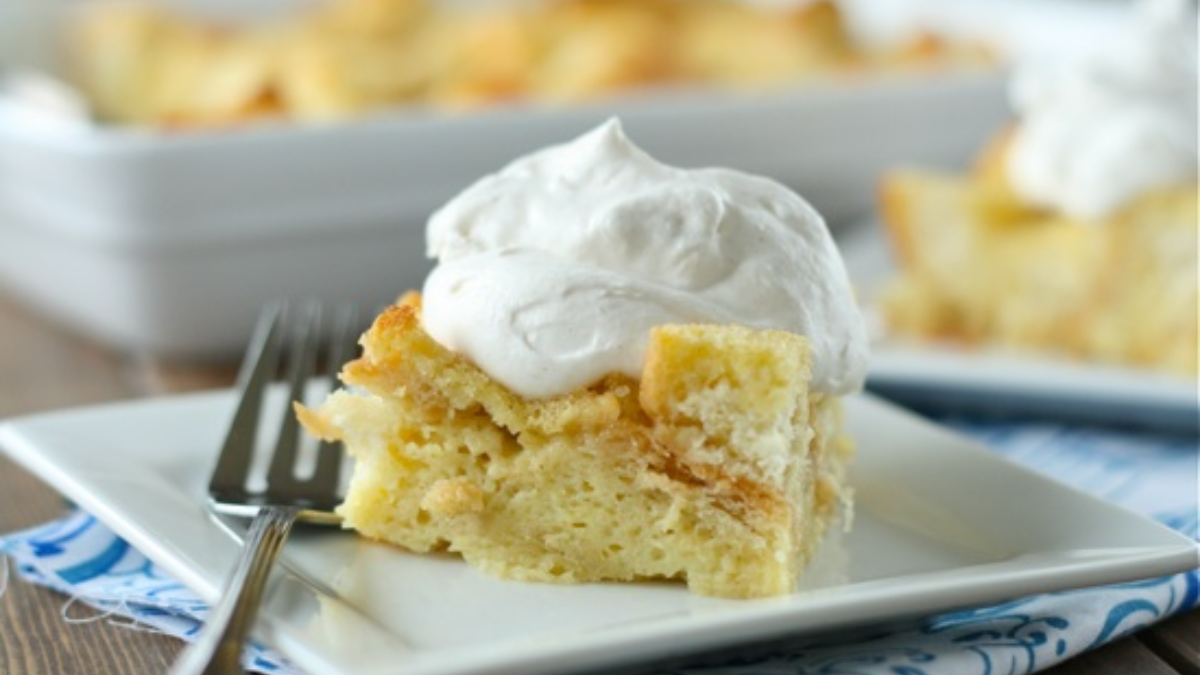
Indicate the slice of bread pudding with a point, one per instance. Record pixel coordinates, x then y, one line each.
980 266
719 467
1077 232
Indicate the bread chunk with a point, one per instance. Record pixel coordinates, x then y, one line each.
719 467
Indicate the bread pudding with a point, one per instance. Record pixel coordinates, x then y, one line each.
1077 231
141 63
717 466
557 411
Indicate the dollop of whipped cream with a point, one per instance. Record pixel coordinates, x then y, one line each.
1100 130
552 272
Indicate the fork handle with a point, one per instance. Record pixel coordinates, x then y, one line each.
218 648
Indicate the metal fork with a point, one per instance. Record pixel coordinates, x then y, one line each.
286 336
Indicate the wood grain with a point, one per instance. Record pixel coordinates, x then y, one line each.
1177 641
44 367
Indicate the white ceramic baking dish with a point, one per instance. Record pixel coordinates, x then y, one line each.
172 242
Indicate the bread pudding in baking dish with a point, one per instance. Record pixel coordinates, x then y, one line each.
140 63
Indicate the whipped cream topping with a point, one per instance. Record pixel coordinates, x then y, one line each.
1099 131
552 272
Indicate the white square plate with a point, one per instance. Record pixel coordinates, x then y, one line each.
940 523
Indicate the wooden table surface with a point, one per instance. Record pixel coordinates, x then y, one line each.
43 367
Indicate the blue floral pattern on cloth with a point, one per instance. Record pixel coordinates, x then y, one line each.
1154 475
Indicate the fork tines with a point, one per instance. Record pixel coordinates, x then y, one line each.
288 341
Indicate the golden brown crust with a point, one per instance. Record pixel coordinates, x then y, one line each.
894 214
401 359
141 64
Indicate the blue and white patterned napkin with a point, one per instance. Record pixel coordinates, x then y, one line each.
81 558
1153 475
